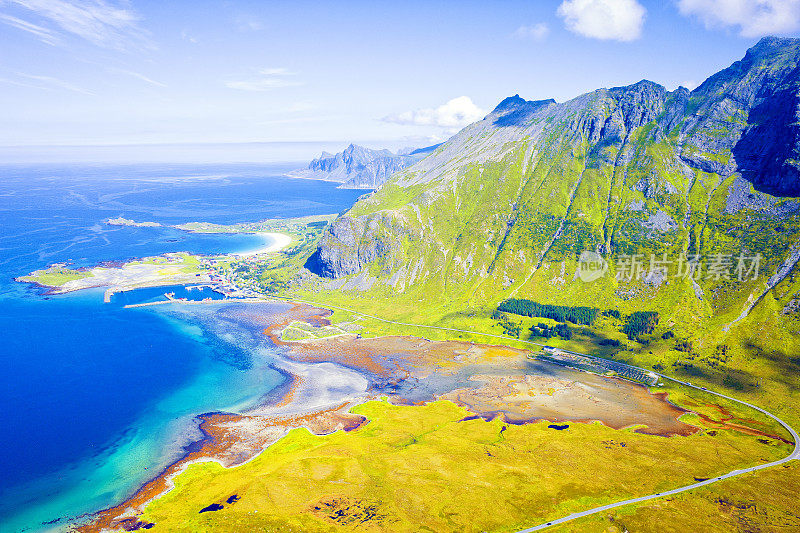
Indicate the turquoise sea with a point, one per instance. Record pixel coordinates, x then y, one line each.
99 398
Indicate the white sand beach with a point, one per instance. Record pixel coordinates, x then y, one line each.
279 241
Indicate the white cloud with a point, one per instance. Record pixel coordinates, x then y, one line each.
97 21
617 20
20 83
456 113
281 71
268 78
47 83
422 140
186 37
245 23
537 32
44 35
139 76
752 18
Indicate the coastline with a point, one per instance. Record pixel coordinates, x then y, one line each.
173 268
302 400
326 377
321 176
403 370
179 378
226 438
279 242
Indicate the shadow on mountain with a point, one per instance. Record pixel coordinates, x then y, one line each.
766 152
516 111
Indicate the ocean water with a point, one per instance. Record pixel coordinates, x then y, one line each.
194 293
97 398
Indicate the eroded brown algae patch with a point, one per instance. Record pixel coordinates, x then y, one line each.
399 356
615 403
516 395
488 380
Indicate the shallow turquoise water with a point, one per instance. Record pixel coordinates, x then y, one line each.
98 398
154 374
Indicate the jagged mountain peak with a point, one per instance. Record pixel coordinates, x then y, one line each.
516 111
620 170
770 48
509 103
640 87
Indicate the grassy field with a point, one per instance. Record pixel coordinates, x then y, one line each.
415 468
54 276
760 502
756 366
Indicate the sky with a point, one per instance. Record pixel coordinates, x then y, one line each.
135 72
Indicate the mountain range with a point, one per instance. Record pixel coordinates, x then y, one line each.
504 208
357 167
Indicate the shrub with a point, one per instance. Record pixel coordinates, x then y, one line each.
509 328
564 331
543 330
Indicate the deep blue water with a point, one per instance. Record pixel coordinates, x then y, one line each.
92 391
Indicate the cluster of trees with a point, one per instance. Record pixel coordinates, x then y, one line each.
559 313
636 324
640 323
684 346
511 329
543 330
610 342
719 359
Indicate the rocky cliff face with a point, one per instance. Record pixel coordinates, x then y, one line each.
349 244
359 168
620 171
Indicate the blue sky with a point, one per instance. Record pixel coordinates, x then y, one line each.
106 72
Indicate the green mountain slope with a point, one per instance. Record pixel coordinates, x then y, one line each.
505 207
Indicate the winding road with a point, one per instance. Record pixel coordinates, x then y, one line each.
792 456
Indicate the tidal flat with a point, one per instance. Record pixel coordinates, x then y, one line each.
335 387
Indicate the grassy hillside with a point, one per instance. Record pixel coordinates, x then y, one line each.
645 180
636 174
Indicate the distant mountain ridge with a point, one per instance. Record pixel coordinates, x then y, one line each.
357 167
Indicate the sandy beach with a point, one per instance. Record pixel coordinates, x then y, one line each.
279 242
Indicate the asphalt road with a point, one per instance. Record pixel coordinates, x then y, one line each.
794 455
